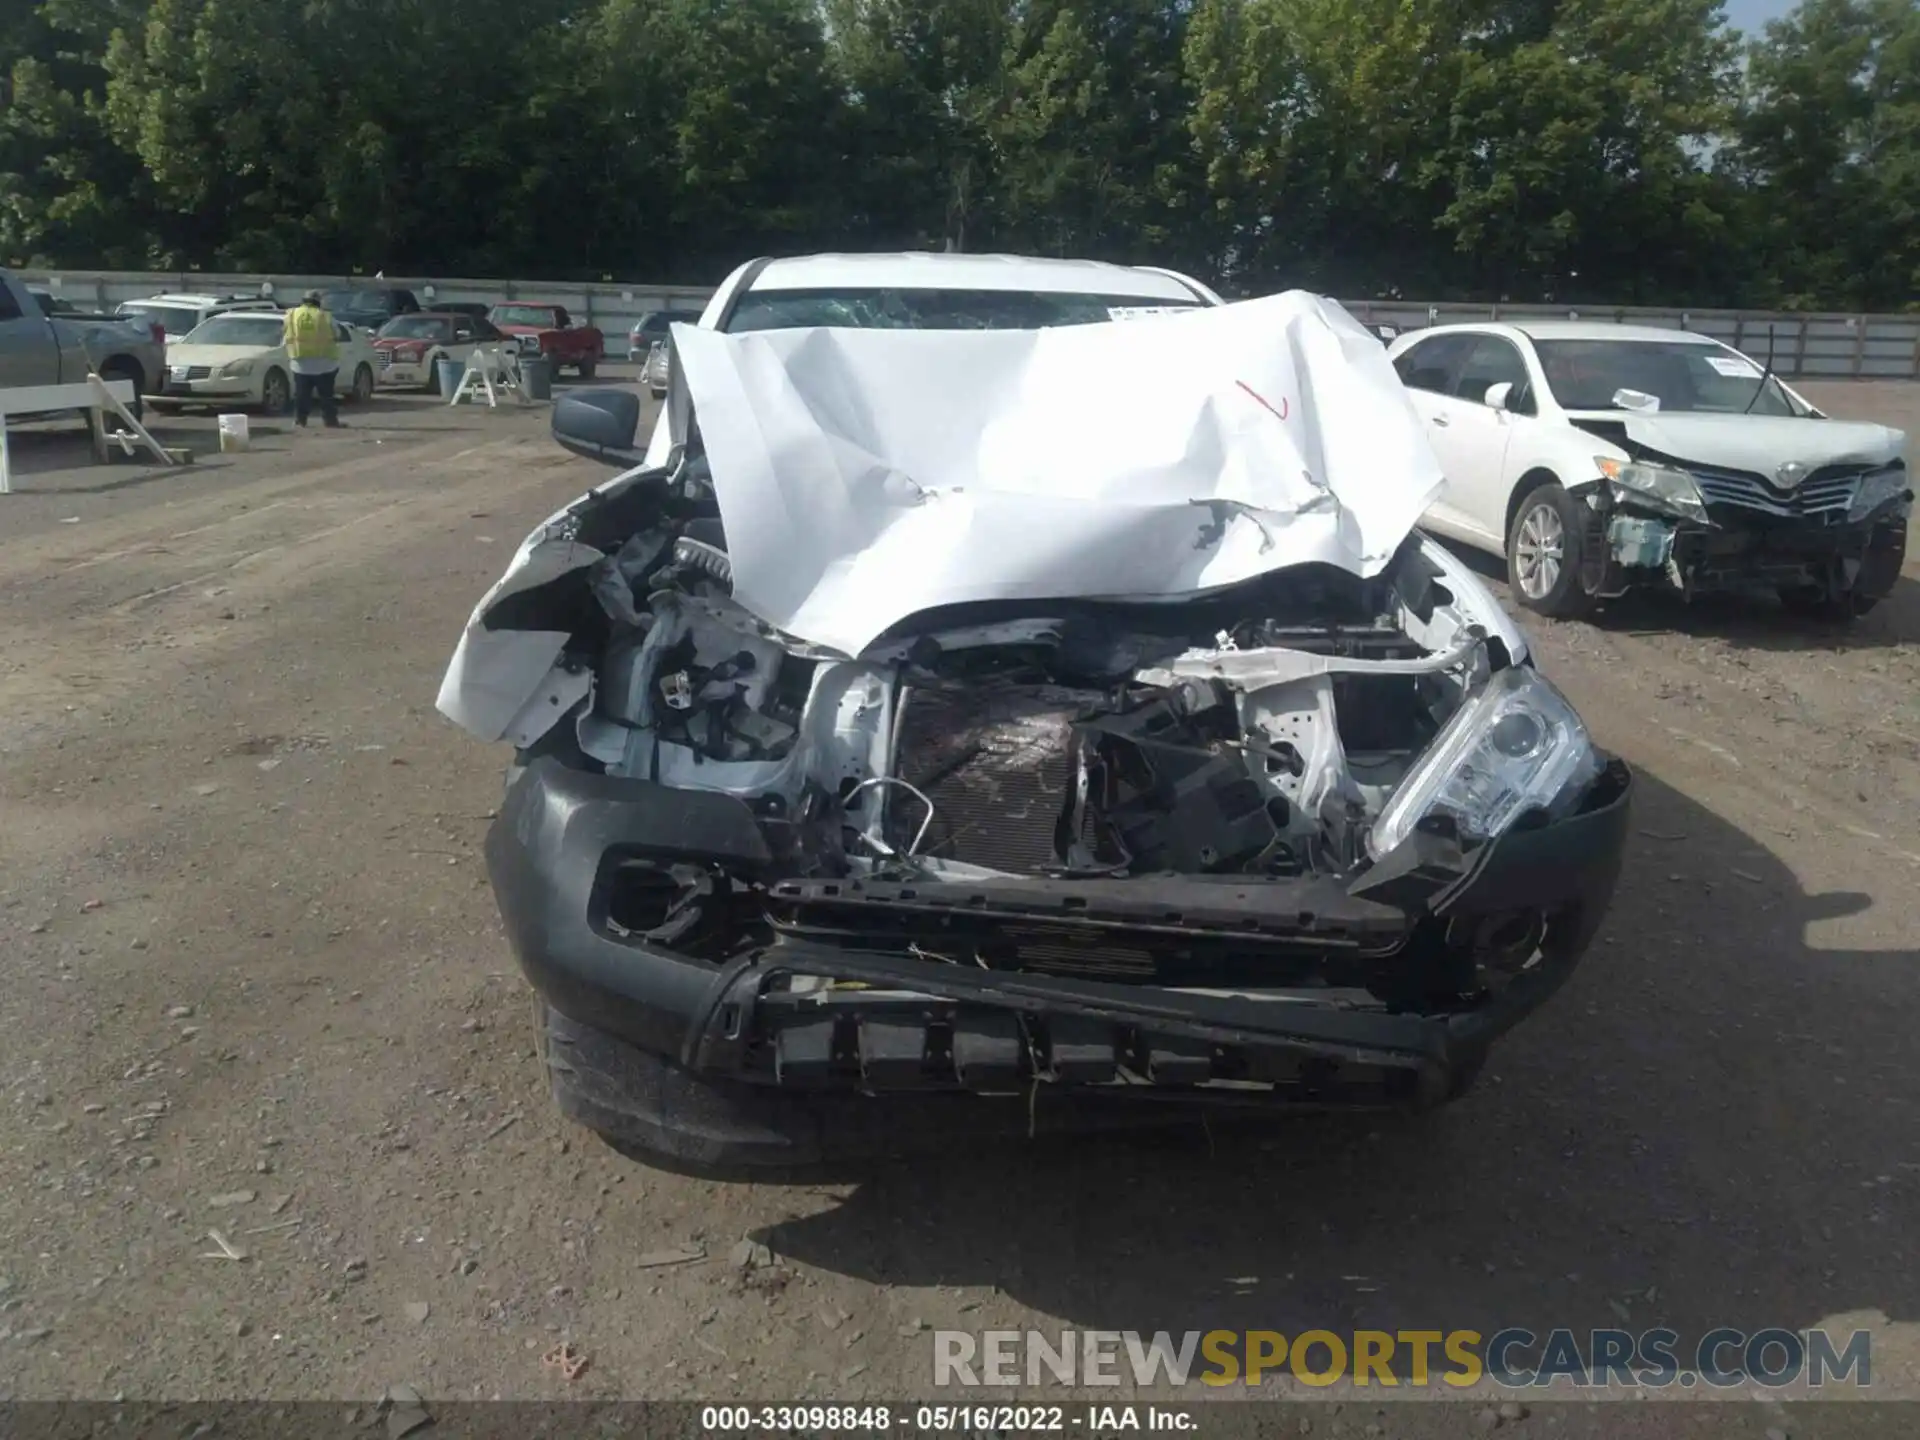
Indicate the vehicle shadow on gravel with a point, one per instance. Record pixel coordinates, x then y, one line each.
1754 622
1711 1125
1761 623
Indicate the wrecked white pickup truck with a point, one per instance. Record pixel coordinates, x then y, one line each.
944 741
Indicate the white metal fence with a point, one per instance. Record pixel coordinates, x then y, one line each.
1813 346
1819 346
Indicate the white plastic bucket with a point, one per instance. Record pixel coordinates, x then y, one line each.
233 433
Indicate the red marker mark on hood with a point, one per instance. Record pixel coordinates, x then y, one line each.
1261 400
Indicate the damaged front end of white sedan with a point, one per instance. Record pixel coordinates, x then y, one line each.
953 738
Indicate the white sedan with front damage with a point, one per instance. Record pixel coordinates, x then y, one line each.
939 741
239 359
1600 458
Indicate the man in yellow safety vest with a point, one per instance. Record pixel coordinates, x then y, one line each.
308 335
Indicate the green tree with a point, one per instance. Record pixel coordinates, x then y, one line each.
1830 144
1090 152
1581 149
922 80
1576 161
347 134
67 191
1469 146
755 145
1316 120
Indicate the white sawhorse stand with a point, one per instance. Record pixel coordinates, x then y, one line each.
93 396
491 371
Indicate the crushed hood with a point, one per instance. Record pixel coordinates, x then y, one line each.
866 475
1760 444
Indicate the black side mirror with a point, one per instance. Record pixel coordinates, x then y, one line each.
599 424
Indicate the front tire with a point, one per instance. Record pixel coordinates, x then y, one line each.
276 393
362 392
1543 553
587 368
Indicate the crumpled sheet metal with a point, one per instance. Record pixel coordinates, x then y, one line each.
866 475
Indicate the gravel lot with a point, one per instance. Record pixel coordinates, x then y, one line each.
255 984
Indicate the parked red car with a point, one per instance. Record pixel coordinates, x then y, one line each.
411 346
548 330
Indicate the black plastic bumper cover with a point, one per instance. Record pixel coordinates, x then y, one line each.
1741 549
714 1063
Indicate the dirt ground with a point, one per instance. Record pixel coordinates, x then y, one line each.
255 984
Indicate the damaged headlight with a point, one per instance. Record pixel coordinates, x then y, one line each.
1666 489
236 370
1876 490
1516 745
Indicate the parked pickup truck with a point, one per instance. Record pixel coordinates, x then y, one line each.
62 309
41 349
368 310
541 329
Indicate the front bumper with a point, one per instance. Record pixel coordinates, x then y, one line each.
408 374
209 390
1628 547
774 1055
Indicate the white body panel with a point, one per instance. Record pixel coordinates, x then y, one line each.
1489 452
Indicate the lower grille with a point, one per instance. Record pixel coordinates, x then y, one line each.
1162 930
977 1048
1058 950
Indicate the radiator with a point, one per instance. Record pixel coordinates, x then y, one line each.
996 760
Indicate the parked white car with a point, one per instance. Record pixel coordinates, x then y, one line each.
239 359
179 314
1598 458
658 368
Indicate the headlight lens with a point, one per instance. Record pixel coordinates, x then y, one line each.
1515 746
236 370
1671 490
1876 490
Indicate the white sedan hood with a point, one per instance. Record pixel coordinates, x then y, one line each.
215 355
1761 444
866 475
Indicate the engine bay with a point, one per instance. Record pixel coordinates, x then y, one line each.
1255 731
923 716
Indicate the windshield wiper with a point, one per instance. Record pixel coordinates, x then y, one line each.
1765 374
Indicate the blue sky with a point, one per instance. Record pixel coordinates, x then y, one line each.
1752 15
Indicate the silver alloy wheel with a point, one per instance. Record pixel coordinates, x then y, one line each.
1539 551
